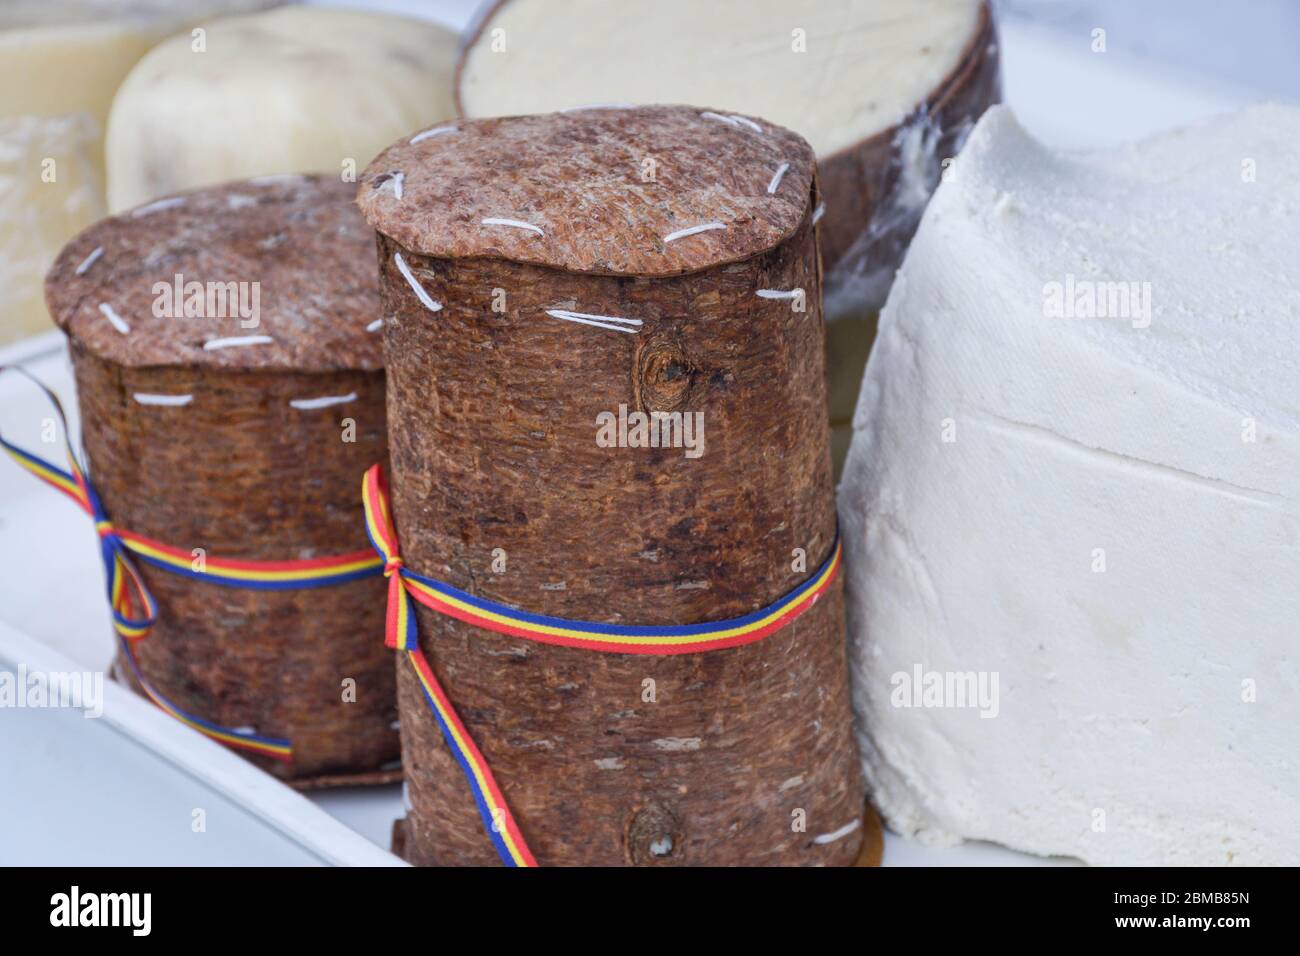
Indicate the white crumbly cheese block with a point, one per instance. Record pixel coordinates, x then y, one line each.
60 63
1082 498
298 89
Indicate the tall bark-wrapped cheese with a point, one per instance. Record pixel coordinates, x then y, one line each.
545 281
231 387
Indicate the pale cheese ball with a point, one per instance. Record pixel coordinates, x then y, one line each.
298 89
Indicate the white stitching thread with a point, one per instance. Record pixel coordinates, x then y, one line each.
89 261
732 120
114 319
158 206
430 133
325 401
777 177
746 121
611 322
236 341
514 223
839 834
170 401
709 114
692 230
418 289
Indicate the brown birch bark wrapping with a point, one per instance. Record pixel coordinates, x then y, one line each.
744 755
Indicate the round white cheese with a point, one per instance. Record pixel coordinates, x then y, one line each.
298 89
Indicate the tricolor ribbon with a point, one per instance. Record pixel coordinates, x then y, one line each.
400 634
134 609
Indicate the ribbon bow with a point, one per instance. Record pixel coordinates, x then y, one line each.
399 624
133 607
400 634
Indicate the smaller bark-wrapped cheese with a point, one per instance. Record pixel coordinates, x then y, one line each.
541 277
243 431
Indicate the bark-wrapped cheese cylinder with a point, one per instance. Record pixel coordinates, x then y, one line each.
544 280
230 380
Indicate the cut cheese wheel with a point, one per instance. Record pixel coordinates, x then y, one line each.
1071 509
38 215
60 63
881 89
59 57
885 91
293 90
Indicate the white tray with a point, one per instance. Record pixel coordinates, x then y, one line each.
122 789
123 785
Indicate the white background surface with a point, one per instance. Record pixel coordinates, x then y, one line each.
1150 78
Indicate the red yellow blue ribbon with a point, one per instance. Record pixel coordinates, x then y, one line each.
134 609
400 634
258 575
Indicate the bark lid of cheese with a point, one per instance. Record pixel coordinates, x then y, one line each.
263 274
652 191
1071 502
